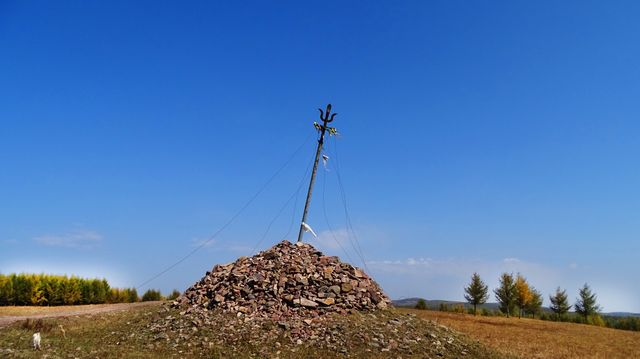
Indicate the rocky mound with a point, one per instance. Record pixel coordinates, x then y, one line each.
291 301
380 334
286 281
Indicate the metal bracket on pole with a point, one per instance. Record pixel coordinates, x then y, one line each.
326 117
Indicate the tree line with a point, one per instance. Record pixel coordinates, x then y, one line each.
515 296
52 290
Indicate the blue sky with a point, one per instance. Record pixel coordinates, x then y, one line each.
474 137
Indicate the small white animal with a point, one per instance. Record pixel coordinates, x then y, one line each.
36 341
64 333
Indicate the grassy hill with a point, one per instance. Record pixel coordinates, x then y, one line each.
157 331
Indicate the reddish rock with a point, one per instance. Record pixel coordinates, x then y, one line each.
285 281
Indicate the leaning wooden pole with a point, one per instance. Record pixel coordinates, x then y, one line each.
326 117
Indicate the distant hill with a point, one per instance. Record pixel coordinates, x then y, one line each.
405 302
622 314
435 304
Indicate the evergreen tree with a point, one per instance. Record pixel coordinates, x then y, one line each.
38 294
586 303
151 295
99 291
174 295
477 292
45 289
73 291
47 284
106 290
6 290
523 293
506 294
559 303
132 295
421 304
58 285
114 296
86 292
22 287
535 303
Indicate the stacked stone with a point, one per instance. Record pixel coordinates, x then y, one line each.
285 281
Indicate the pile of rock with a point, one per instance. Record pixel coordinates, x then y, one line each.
285 281
273 305
381 334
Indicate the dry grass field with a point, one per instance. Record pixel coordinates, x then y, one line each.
121 331
90 332
12 314
531 338
126 333
21 311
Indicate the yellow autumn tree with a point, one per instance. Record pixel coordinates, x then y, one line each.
48 289
38 295
523 294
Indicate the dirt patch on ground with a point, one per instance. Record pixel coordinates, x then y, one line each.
10 315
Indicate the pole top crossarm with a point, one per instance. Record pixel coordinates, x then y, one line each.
324 117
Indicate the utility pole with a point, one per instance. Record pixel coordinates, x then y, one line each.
326 117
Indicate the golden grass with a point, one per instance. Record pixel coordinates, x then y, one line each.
9 313
532 338
32 310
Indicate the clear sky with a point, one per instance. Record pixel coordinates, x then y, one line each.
474 137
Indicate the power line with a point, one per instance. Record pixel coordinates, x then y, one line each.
295 204
346 211
232 219
326 218
286 204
